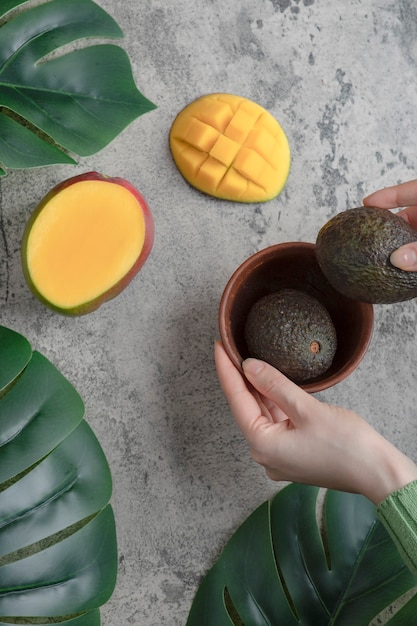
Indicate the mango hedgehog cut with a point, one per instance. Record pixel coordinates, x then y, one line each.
230 147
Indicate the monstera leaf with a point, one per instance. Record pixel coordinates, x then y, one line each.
280 569
56 97
58 554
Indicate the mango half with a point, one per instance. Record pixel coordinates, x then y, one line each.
230 147
85 242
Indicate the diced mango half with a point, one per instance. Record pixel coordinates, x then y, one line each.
231 148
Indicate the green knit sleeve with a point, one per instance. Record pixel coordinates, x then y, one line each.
398 513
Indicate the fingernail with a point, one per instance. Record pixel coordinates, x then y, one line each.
252 366
404 258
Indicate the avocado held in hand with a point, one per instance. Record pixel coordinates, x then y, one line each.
292 331
353 250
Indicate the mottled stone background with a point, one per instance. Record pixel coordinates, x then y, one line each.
341 79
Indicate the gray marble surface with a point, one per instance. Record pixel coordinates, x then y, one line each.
341 79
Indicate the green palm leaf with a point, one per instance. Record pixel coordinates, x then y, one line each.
92 618
279 568
77 100
58 553
15 353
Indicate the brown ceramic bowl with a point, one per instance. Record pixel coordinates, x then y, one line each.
293 265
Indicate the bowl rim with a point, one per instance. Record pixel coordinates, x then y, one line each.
226 334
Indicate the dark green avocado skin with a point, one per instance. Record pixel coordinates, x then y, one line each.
281 328
353 250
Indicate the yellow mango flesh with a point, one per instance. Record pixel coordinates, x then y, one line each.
231 148
84 241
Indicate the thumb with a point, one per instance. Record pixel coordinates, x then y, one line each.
405 257
271 383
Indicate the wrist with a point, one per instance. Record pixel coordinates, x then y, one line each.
392 470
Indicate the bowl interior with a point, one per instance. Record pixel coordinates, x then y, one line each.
294 265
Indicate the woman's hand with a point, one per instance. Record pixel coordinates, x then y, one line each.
404 195
300 439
